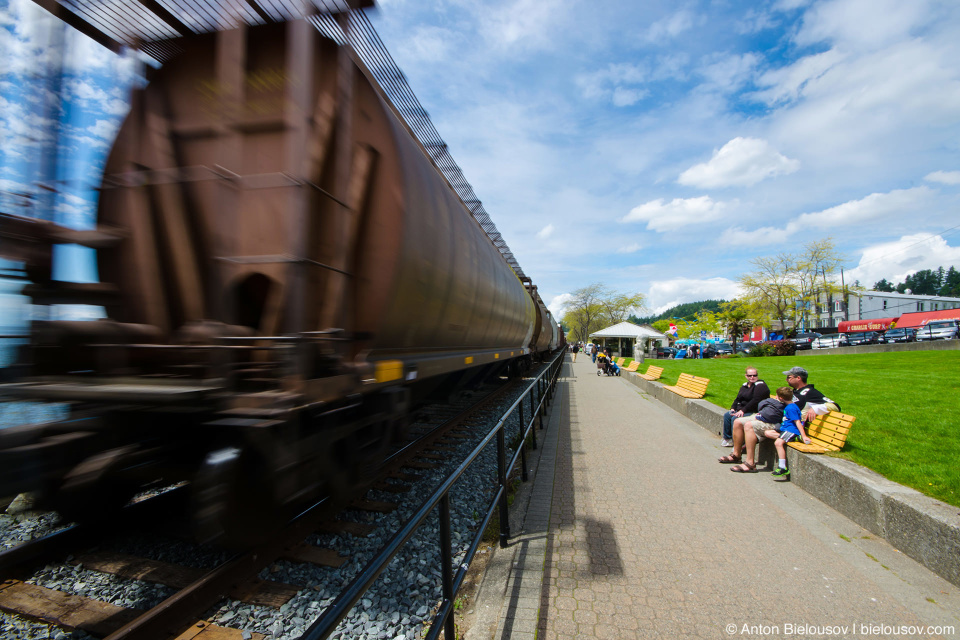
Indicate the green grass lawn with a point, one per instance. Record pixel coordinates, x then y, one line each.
906 404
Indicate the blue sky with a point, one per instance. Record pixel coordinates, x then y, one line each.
653 146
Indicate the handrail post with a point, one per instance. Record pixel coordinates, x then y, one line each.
543 407
502 477
446 560
523 442
533 412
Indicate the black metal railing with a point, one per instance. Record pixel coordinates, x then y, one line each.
536 398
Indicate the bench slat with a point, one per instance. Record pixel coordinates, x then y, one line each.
827 432
653 373
690 386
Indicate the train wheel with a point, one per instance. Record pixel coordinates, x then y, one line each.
233 499
95 490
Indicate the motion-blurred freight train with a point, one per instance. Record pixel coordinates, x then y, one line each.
286 276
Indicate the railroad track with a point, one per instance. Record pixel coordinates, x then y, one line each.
160 587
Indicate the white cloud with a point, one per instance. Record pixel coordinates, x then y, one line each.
849 110
668 293
546 232
727 73
669 27
105 129
862 24
874 207
616 83
558 305
943 177
525 24
755 21
429 44
787 83
630 248
626 97
897 259
661 215
744 238
740 162
90 96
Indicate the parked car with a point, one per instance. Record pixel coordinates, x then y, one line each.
899 334
805 340
666 352
723 349
744 347
939 330
830 341
863 337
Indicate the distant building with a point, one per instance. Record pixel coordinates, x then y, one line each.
829 311
630 339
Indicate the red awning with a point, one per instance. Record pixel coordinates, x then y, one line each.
923 317
878 324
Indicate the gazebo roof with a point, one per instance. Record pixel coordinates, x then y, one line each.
627 330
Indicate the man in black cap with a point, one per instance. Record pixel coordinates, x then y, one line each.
810 401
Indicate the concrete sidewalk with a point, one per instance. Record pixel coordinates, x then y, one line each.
635 531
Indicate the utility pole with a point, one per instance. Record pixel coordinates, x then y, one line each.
846 298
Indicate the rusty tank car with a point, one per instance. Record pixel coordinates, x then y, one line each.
286 277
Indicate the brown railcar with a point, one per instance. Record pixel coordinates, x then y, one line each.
286 276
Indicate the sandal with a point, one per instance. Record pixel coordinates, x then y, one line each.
746 467
730 459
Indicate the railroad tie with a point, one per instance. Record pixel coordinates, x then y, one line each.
319 556
93 616
340 527
375 506
389 487
405 477
264 593
415 464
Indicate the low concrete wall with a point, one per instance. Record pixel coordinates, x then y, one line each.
926 345
925 529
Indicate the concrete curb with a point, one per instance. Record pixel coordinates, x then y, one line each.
925 529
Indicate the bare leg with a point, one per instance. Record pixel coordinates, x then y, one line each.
781 449
750 442
737 436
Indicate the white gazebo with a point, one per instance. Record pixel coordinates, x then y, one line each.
640 339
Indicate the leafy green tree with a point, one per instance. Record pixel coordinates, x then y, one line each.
736 320
883 285
620 306
770 290
584 311
789 285
663 326
596 306
951 283
925 282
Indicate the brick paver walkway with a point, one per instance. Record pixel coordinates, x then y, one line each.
649 537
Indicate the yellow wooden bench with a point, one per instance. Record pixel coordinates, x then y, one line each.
653 373
620 361
689 386
633 366
827 432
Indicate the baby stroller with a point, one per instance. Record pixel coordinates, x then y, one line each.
607 366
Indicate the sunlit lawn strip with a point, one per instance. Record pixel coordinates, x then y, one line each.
906 406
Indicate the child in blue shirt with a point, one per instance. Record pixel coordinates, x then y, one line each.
790 429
